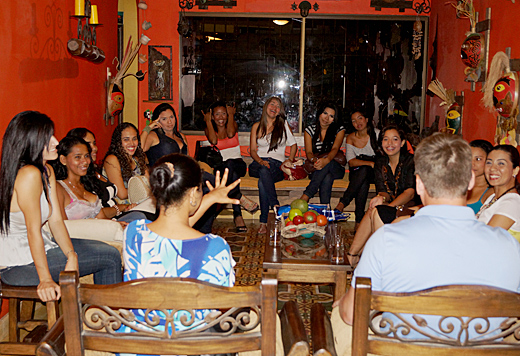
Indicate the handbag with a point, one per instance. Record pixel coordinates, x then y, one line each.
339 157
210 155
294 171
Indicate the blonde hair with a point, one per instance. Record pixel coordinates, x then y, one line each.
443 162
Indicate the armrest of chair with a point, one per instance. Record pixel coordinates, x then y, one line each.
321 331
53 343
294 336
93 229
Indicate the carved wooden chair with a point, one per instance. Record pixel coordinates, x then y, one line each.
466 308
21 317
91 313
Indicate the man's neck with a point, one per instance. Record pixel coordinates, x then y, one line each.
444 201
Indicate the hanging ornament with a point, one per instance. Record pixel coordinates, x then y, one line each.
417 39
453 109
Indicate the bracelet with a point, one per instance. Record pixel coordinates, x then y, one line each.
382 196
147 129
118 212
68 253
352 255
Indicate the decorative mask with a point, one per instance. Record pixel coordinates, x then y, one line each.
472 50
505 94
116 100
454 119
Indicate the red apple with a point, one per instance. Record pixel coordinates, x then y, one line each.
309 217
289 222
297 220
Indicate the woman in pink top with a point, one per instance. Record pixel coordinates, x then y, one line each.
222 131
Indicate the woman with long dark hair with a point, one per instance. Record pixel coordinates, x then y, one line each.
323 139
361 152
269 138
222 131
162 136
28 199
481 190
502 208
124 159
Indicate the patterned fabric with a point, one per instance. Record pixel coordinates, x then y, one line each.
311 130
207 258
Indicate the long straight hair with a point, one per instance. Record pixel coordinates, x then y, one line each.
374 142
330 136
162 108
25 139
278 135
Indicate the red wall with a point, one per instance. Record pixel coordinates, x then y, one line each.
164 16
39 74
477 121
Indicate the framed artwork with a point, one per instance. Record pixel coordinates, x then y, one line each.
160 73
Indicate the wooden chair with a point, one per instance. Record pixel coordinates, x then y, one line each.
321 332
92 312
458 304
294 336
21 317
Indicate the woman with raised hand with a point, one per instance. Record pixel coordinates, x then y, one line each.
481 190
28 199
269 138
361 147
124 159
502 208
323 140
222 131
162 136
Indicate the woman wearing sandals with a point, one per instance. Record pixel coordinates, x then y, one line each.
222 131
269 138
502 209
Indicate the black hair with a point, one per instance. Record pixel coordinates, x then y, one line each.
162 108
330 136
484 145
80 132
404 150
25 139
116 149
169 188
217 104
90 181
374 143
513 153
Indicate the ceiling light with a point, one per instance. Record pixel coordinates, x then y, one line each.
281 22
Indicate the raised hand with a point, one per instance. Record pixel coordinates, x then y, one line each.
219 193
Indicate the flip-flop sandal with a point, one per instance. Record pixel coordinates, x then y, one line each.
240 229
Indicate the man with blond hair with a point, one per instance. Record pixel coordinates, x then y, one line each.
442 244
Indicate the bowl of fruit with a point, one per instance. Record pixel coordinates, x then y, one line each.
300 221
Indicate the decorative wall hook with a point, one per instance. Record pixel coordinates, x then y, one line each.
304 7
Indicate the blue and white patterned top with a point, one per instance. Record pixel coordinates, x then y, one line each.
146 254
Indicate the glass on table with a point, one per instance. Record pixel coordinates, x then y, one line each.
337 248
275 235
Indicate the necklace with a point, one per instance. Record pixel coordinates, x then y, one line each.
493 201
77 189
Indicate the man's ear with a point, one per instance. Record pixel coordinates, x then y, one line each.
471 181
419 185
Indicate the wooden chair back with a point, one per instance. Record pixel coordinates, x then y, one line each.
21 317
468 307
92 313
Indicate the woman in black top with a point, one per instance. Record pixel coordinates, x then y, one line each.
395 186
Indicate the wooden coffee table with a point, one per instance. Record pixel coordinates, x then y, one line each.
304 270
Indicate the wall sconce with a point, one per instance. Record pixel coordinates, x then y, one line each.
281 22
304 7
85 45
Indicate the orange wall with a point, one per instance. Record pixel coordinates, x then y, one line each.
477 121
164 16
39 74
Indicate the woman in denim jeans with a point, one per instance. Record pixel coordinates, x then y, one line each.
269 138
323 140
28 199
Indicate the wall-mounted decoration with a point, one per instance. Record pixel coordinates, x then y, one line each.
501 97
85 45
160 73
203 4
452 106
474 49
305 7
417 40
394 4
115 95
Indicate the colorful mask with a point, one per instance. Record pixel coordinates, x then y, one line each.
454 119
505 94
116 100
472 50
